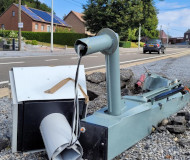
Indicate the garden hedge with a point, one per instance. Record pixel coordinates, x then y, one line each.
125 44
58 38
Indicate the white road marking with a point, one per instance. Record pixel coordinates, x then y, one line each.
136 60
75 54
48 60
12 63
38 56
129 61
84 57
4 82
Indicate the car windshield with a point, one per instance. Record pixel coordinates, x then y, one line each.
152 41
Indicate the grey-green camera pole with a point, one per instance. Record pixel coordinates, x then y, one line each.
107 42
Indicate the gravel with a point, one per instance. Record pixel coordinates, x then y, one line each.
96 77
172 68
5 134
157 146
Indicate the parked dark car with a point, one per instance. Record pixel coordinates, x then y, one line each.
154 45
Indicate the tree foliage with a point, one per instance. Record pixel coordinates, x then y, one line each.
123 16
4 4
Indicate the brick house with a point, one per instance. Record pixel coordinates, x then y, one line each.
175 40
187 36
77 22
33 19
163 36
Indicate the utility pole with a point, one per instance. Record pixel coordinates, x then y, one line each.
167 35
161 33
51 25
139 36
19 28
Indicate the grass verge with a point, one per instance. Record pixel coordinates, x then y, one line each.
49 44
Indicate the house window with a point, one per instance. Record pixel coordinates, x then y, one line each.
42 27
187 36
48 28
3 26
13 13
36 26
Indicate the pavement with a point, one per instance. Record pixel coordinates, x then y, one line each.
9 59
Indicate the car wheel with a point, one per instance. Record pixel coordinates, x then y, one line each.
159 51
149 52
144 52
163 52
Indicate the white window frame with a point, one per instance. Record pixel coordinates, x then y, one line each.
36 26
13 13
187 36
2 26
42 27
48 28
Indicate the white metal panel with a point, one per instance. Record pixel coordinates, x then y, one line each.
31 82
14 112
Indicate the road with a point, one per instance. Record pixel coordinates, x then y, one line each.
90 62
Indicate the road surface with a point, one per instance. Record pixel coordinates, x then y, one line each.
91 62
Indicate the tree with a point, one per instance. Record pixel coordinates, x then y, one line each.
4 4
150 20
123 16
132 34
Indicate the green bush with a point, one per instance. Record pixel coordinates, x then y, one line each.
28 42
33 42
9 41
125 44
4 33
64 30
142 44
12 34
58 38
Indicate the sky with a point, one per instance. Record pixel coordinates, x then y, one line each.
174 15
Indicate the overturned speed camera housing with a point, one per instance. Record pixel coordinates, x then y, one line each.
36 113
38 116
128 119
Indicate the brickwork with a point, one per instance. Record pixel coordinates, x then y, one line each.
40 24
77 25
11 22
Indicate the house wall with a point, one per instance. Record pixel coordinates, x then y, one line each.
187 38
176 40
11 22
77 25
40 24
164 40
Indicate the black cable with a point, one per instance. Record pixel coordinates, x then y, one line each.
75 102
